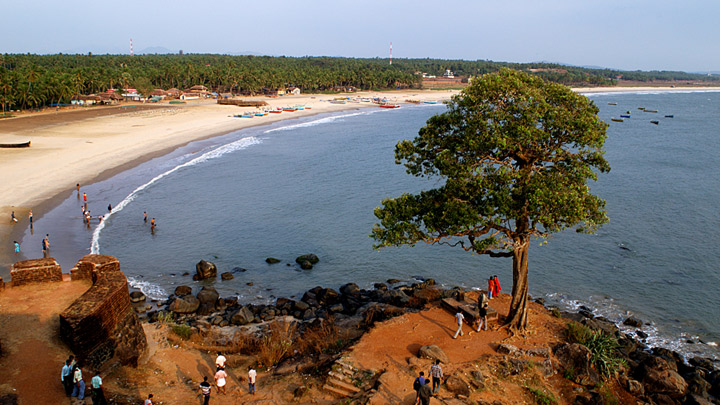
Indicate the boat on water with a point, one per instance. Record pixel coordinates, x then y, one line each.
15 145
617 119
641 108
670 116
389 105
650 111
624 116
430 102
612 103
655 122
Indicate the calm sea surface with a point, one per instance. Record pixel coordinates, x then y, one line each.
310 186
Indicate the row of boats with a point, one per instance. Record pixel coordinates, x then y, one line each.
643 109
262 113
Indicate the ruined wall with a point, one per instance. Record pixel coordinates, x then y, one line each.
35 271
101 324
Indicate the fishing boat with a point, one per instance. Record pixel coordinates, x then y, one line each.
337 101
289 109
624 116
612 103
650 111
275 111
670 116
15 145
389 105
177 102
617 119
430 102
655 122
413 101
248 115
641 108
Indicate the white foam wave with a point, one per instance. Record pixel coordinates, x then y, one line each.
320 121
215 153
153 291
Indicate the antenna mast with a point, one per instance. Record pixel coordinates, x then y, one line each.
131 50
391 52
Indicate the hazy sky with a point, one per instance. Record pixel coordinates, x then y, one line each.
628 34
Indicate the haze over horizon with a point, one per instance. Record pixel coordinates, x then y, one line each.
641 35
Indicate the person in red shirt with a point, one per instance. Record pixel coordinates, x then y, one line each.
491 288
497 286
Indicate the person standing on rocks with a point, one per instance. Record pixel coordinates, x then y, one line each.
424 394
459 317
252 376
98 396
205 389
483 303
437 374
417 384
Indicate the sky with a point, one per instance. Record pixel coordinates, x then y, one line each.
628 35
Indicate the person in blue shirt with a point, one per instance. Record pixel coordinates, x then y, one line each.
66 377
98 396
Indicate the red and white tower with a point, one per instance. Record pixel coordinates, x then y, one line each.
391 52
131 50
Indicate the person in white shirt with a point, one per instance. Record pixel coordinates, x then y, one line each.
252 375
460 317
220 361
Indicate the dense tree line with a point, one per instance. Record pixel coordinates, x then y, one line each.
33 81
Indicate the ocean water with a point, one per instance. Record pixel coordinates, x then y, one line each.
310 186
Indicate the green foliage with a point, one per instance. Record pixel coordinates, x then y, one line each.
165 317
542 397
182 330
556 313
604 348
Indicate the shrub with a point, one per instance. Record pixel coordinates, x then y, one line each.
275 345
183 331
541 397
603 347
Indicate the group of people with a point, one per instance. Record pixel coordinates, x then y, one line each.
221 376
483 304
420 385
72 379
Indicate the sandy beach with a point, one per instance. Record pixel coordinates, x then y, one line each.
89 144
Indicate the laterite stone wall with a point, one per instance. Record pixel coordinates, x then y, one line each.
35 271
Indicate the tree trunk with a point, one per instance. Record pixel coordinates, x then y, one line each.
517 317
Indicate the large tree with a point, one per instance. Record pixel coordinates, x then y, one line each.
514 154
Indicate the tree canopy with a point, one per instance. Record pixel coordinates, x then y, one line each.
515 153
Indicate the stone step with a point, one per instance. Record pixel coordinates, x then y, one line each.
346 368
343 385
340 376
337 391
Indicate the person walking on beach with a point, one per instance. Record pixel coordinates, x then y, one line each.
419 382
204 390
220 380
148 401
79 389
252 375
17 247
30 217
98 396
77 187
12 217
67 378
497 286
483 303
491 288
437 374
459 317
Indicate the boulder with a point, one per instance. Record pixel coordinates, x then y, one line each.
187 304
137 296
433 352
311 258
510 350
349 289
208 297
205 270
301 306
272 260
457 386
575 358
327 296
183 290
634 322
305 265
226 276
242 316
597 324
666 382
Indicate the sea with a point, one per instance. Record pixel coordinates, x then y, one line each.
310 185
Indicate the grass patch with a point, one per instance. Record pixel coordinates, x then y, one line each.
542 397
604 348
275 345
182 331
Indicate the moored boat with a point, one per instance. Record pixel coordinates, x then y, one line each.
655 122
389 105
617 119
177 102
15 145
430 102
670 116
624 116
612 103
650 111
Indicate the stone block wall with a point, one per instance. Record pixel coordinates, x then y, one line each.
101 324
35 271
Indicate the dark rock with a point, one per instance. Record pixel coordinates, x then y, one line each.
634 322
249 284
596 324
183 290
187 304
508 349
272 260
380 286
208 297
595 398
283 302
635 388
457 386
538 352
301 306
349 289
305 265
695 399
205 270
243 316
392 281
540 301
586 313
665 382
433 352
703 362
641 334
308 314
300 391
662 399
336 308
311 258
238 270
137 296
187 273
327 296
574 316
226 276
575 358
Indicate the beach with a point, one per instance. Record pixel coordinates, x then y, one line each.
93 143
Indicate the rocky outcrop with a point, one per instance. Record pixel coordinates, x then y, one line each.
433 352
307 261
35 271
205 270
575 360
101 324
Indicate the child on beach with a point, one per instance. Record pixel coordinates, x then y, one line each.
17 247
12 217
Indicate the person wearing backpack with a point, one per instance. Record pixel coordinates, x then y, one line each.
417 384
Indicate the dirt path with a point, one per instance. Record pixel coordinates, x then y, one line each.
32 352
